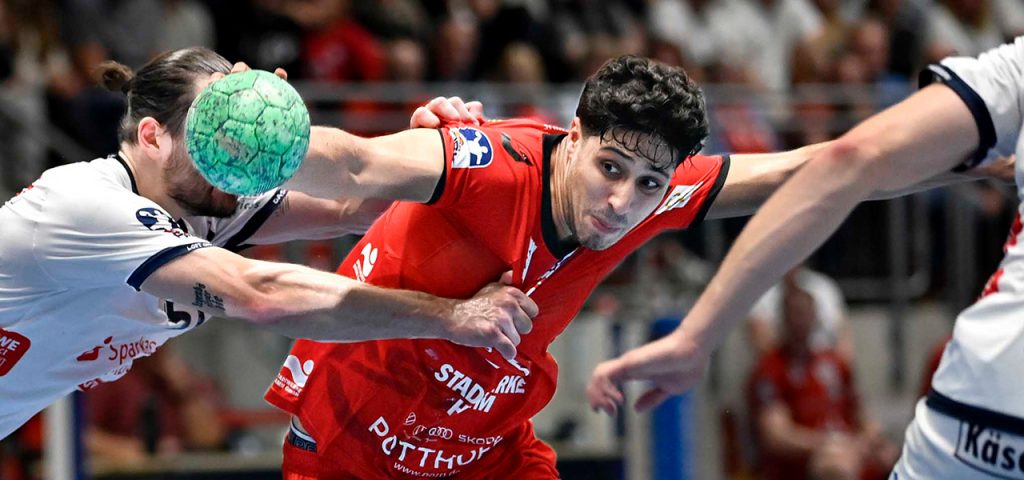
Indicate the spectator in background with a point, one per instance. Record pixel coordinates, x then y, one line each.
31 56
830 330
805 407
907 24
454 48
522 65
336 47
773 35
185 23
260 33
970 27
160 407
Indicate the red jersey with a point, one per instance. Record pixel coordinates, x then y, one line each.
819 395
431 408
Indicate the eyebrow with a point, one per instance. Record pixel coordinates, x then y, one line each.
618 151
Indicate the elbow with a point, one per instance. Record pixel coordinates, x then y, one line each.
852 160
259 301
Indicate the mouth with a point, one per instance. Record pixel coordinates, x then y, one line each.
604 227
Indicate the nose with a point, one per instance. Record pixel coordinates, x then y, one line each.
621 198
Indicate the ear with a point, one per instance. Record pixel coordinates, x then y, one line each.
153 139
575 135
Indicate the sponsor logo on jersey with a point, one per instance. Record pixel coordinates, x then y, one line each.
298 373
121 352
994 452
470 148
437 432
414 459
12 347
159 221
364 265
471 394
511 384
678 197
92 355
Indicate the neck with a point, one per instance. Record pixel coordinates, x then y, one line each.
149 180
561 203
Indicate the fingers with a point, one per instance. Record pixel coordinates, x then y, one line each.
464 115
507 278
476 109
506 348
423 118
602 393
651 399
444 109
239 67
281 73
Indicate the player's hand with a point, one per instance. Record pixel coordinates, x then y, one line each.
443 110
1002 169
495 317
239 67
672 365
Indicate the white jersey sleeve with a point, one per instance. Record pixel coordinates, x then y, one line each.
99 237
992 86
234 232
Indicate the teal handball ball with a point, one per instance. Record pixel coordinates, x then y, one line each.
248 132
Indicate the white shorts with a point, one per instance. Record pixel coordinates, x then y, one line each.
937 446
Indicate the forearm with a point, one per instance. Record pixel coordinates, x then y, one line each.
940 180
753 178
794 222
300 302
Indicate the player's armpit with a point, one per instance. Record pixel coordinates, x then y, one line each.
402 166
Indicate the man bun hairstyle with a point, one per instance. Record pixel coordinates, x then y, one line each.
115 76
631 96
163 89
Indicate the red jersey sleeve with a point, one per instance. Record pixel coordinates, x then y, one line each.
693 188
490 174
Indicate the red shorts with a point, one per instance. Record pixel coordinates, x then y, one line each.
528 459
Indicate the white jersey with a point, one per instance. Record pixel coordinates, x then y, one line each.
74 249
982 365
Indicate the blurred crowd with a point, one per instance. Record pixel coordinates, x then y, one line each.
49 49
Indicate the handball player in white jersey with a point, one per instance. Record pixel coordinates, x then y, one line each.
971 424
101 262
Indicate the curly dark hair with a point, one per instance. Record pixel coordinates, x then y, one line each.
630 97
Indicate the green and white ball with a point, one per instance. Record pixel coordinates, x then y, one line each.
248 132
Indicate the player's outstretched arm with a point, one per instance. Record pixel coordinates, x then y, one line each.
402 166
923 136
753 178
301 302
306 217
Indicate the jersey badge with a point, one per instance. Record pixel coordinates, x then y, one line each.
470 148
159 221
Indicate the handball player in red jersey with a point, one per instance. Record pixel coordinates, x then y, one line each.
545 209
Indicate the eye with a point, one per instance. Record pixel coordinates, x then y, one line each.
611 169
649 184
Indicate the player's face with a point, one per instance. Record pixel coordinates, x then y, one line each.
188 187
612 189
